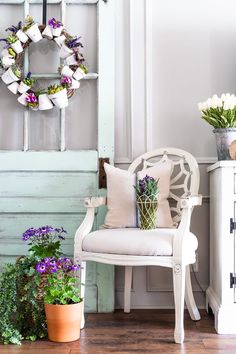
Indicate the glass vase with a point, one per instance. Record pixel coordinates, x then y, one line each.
147 210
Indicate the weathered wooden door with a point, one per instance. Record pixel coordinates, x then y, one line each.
49 159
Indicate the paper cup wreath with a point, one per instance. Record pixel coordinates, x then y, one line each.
72 70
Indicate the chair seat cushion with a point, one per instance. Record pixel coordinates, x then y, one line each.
136 242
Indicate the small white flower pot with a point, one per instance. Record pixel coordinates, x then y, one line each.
71 60
47 32
65 51
13 87
7 61
75 84
57 31
44 102
34 33
23 87
5 53
66 71
79 74
17 47
22 36
8 77
22 99
60 40
60 98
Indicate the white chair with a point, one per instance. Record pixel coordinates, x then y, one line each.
182 243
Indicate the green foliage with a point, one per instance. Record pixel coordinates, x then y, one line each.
84 68
16 70
54 89
61 289
29 81
22 315
12 52
28 22
12 39
220 118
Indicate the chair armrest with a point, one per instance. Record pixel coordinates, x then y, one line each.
187 204
190 201
86 226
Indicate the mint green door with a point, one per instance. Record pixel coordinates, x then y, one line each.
51 164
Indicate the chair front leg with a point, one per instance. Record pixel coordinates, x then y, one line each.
127 290
189 299
82 291
179 290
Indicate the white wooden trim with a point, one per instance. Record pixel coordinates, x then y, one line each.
130 121
149 75
52 2
89 76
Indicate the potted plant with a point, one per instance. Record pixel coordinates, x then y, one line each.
80 72
32 101
22 287
17 30
58 95
56 27
60 40
68 46
65 70
26 83
7 61
14 42
147 192
44 101
11 75
69 83
31 29
63 304
220 112
13 87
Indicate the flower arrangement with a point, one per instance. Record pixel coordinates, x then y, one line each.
147 187
66 81
73 42
52 89
62 281
54 23
147 191
220 112
45 241
28 80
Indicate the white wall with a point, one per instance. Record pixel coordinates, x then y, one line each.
170 56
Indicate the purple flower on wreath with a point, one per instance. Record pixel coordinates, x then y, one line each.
66 81
31 98
54 23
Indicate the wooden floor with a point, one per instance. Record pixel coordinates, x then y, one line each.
141 331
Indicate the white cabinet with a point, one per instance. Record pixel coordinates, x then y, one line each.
221 293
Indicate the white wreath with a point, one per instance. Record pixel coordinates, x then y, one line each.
72 70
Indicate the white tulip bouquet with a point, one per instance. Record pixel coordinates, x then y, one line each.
220 112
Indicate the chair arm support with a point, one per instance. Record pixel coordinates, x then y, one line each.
187 205
190 201
86 226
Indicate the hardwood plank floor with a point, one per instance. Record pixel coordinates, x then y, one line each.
141 331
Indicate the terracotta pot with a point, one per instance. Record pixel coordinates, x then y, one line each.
63 322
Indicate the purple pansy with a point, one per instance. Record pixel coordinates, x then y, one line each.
54 23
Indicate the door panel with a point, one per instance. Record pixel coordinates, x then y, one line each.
48 187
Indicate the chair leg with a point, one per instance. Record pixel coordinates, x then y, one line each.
127 290
189 299
179 289
82 291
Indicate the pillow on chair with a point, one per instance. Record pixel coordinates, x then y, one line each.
121 198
